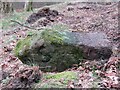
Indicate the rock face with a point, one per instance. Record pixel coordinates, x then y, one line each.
94 45
58 50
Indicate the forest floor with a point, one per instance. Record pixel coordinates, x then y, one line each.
85 17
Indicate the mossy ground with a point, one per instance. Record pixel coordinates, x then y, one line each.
57 80
20 16
14 65
6 21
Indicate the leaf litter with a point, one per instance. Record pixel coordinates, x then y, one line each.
91 74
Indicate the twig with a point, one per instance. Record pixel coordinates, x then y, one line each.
25 25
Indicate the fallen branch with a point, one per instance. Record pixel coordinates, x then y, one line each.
25 25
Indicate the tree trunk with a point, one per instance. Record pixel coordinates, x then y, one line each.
28 5
7 7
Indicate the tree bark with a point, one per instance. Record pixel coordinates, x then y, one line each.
7 7
28 5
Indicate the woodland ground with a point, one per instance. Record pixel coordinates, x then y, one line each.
91 74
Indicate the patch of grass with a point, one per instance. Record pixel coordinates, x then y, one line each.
66 75
57 80
17 16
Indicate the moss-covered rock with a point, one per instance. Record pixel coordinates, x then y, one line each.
57 80
56 49
51 50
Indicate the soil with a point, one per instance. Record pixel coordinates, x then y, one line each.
84 17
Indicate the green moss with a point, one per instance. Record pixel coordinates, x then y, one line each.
6 23
57 80
22 47
60 27
66 75
51 50
54 36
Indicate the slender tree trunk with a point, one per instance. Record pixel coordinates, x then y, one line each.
7 7
0 6
28 5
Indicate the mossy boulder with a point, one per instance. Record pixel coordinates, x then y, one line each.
57 80
51 50
57 50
